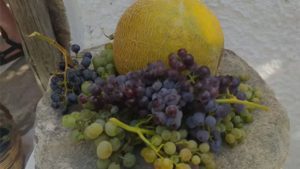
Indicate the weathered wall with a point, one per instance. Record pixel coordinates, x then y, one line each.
265 33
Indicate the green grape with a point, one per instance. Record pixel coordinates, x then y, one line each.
183 133
88 105
206 158
111 129
170 148
183 166
210 165
77 135
255 100
175 136
237 119
129 160
204 147
102 137
185 155
166 135
69 121
110 68
175 159
109 56
156 140
104 150
229 117
116 144
85 88
108 46
221 127
103 164
196 160
76 115
101 70
257 93
100 121
247 117
160 129
93 131
192 145
99 60
163 163
230 139
244 87
240 125
237 133
114 165
148 154
249 94
244 77
243 133
229 126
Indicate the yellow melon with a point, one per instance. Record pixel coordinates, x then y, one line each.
150 30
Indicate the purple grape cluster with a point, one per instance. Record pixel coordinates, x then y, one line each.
75 76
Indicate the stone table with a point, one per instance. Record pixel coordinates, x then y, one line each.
266 145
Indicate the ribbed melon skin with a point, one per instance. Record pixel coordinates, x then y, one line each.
150 30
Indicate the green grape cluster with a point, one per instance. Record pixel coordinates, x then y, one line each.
174 150
103 62
112 146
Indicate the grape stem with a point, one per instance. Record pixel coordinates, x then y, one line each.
139 131
67 58
244 102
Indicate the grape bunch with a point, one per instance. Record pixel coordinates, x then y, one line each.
177 151
114 149
180 114
70 82
103 63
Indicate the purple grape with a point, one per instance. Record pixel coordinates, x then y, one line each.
190 122
204 97
88 54
171 111
211 106
168 84
241 96
187 96
87 74
216 145
210 121
188 60
157 86
172 99
198 118
72 98
55 105
86 61
55 97
159 117
75 48
202 135
223 110
203 72
182 52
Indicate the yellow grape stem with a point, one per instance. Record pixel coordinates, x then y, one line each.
67 58
139 131
246 103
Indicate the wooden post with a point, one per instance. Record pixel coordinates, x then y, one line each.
33 15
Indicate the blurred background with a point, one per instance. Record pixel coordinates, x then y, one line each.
264 33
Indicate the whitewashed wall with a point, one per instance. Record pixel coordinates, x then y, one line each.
266 33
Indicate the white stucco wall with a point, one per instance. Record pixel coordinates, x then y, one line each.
266 33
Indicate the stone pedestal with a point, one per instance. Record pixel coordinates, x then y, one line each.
265 147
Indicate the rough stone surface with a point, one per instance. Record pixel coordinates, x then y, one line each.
266 146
